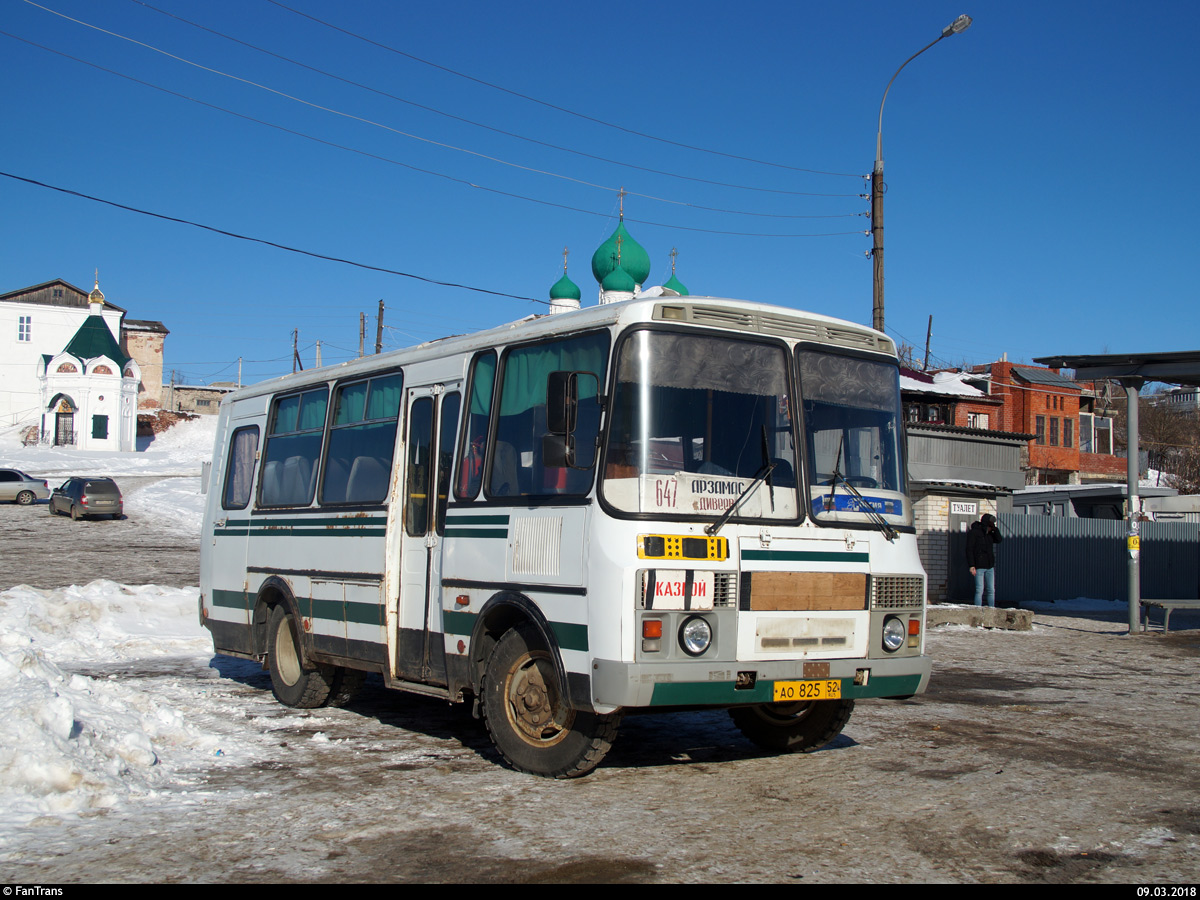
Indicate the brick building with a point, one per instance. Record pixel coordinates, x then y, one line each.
1072 442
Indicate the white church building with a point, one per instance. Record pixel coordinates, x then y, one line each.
64 369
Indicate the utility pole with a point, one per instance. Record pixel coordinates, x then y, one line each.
928 335
318 354
239 371
379 329
878 188
362 333
296 351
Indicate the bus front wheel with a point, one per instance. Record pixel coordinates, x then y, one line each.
528 717
292 684
793 727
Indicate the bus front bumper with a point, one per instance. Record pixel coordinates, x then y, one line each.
717 683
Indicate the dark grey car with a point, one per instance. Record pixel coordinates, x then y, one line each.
16 486
87 497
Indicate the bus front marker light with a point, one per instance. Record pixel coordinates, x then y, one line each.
652 630
914 632
695 635
894 634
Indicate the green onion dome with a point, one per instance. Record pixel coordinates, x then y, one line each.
565 289
618 280
634 258
674 284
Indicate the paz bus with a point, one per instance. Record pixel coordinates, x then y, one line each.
677 502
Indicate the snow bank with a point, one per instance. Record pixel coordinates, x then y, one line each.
175 504
177 451
72 742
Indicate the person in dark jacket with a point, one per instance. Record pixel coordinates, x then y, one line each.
981 557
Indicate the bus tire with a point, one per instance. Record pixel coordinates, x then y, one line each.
346 683
292 684
793 727
527 715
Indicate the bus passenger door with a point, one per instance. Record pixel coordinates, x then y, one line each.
432 422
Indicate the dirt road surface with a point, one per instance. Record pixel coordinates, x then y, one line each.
46 551
1063 755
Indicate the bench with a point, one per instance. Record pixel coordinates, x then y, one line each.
1167 607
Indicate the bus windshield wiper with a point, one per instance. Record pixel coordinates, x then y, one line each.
762 475
871 513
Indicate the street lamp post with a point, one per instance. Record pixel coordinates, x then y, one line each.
962 23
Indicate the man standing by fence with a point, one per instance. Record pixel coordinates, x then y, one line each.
981 557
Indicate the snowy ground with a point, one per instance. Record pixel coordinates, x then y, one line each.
128 752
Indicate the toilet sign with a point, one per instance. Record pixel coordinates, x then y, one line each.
963 508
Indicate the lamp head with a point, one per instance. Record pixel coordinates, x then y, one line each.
958 26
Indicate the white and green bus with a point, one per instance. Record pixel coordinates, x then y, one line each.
678 502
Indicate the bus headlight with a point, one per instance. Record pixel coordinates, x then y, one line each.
894 634
695 635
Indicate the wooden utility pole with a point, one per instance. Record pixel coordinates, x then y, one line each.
379 329
296 351
362 333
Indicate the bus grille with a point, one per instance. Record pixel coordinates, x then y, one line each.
897 591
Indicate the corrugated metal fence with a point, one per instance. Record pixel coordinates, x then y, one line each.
1046 558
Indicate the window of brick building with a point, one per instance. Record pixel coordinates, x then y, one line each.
1068 432
1040 429
1054 431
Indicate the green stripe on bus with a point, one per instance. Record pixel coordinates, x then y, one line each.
806 556
477 532
569 635
229 599
315 521
342 611
477 520
454 622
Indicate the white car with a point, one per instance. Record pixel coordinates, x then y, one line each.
16 486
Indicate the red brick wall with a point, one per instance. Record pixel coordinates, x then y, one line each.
1102 464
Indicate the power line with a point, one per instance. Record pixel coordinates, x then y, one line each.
396 162
365 121
520 137
553 106
256 240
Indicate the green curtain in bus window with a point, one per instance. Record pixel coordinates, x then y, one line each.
312 411
385 397
286 412
352 400
527 369
482 380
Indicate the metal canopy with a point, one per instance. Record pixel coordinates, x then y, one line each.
1170 368
1131 371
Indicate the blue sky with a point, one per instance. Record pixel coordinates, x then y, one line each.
1038 165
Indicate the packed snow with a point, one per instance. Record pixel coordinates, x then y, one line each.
71 742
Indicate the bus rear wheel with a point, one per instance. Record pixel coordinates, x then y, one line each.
793 727
529 718
292 684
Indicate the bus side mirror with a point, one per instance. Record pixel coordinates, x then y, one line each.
562 402
563 390
558 450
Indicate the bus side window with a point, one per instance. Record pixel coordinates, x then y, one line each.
239 474
518 466
475 427
362 440
293 449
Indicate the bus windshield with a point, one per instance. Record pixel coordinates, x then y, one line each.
852 433
694 419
